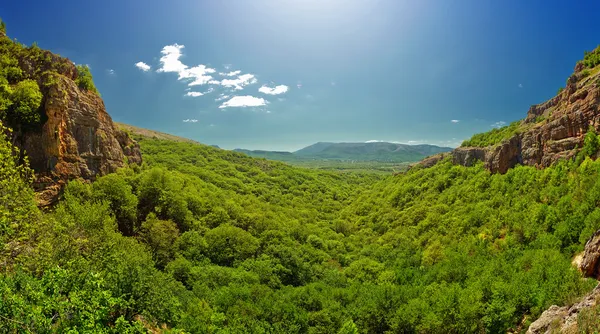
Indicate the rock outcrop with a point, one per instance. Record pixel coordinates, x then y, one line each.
551 131
77 139
589 264
563 319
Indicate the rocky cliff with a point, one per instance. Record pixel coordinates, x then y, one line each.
551 131
76 137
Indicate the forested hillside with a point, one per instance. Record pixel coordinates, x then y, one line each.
207 240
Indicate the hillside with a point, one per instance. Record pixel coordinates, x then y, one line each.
151 133
371 157
195 239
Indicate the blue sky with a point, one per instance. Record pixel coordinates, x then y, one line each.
316 70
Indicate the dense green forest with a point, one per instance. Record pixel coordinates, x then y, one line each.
206 240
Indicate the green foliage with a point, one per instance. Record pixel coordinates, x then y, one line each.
560 90
591 58
160 236
2 26
16 196
495 136
26 99
227 244
591 143
84 79
114 189
215 241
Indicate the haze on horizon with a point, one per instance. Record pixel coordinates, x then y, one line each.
281 75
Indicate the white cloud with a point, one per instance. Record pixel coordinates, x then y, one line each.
454 121
194 94
212 125
299 85
110 71
273 91
244 101
498 124
520 85
197 75
222 97
239 83
373 141
190 121
143 66
230 74
170 60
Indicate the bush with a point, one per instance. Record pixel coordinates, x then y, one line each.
26 99
84 79
591 58
590 143
494 136
160 236
16 196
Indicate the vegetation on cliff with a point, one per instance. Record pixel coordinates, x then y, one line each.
26 73
494 136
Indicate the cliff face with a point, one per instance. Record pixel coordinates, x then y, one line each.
77 138
551 131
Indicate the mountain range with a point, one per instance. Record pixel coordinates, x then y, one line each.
371 151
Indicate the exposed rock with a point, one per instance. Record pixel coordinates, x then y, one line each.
563 319
590 260
78 138
432 160
548 321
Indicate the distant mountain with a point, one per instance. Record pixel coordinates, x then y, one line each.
377 151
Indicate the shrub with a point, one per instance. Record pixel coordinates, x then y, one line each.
494 136
84 79
591 58
25 101
590 143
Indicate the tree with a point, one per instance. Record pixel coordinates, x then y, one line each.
26 99
16 196
160 236
590 143
84 79
123 203
228 243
